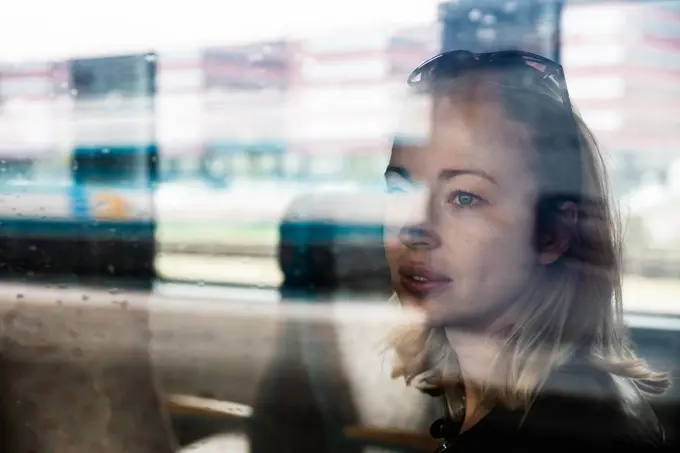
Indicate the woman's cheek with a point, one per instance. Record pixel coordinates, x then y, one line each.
466 227
484 236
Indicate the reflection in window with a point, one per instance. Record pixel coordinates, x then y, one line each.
179 168
265 165
294 165
244 162
364 167
326 165
219 166
124 167
240 165
15 170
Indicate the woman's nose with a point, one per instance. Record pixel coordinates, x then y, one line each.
412 218
418 229
420 236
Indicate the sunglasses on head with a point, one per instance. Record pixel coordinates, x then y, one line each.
539 72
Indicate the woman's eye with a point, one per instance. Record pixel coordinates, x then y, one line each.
464 199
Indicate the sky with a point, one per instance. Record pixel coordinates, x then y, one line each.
39 29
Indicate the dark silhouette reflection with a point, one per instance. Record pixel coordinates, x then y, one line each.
305 399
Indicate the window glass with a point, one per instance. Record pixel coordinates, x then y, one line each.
206 206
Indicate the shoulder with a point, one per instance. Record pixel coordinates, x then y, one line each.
594 407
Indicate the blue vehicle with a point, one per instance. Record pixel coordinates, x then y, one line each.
96 217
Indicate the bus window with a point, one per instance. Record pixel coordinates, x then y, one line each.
294 165
240 166
266 165
112 167
216 167
244 163
16 170
169 169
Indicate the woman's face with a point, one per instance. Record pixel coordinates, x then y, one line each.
459 233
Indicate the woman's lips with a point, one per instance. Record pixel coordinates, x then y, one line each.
421 281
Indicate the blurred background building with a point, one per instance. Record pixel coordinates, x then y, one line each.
240 129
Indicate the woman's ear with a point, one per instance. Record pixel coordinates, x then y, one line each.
556 242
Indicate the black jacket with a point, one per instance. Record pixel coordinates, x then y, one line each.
578 408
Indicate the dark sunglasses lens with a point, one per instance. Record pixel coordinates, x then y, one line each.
450 65
445 65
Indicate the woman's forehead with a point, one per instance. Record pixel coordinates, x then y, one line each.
479 116
466 134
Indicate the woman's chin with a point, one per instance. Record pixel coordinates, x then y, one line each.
437 312
428 311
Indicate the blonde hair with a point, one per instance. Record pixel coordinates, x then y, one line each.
576 307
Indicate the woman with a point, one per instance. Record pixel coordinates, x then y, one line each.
501 235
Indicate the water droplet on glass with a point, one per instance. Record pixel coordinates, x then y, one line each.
510 6
73 92
105 151
111 268
32 247
486 34
489 19
474 15
545 29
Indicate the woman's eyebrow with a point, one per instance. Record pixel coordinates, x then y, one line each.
450 173
401 171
